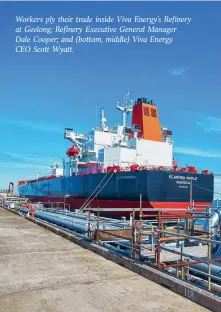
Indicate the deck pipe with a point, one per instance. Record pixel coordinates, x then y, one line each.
84 219
118 223
215 225
77 223
83 216
114 222
69 231
71 223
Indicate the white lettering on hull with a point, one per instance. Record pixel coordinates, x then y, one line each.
179 177
182 181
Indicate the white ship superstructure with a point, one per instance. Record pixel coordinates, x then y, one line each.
121 146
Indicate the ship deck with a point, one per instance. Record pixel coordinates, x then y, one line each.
41 271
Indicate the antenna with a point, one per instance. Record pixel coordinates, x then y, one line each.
126 109
103 120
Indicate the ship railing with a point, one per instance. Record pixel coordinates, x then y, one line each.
141 168
180 261
188 169
206 207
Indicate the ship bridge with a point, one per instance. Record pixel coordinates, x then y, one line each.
144 142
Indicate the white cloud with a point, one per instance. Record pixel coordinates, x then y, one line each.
196 152
17 175
34 159
210 124
178 71
23 166
35 125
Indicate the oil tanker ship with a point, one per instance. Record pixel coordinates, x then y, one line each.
112 167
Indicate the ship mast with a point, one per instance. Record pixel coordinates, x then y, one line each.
126 109
103 121
37 174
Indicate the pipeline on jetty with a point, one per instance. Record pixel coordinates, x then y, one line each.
187 247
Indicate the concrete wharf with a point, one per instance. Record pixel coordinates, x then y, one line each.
41 271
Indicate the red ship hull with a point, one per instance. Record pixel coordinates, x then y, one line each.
76 203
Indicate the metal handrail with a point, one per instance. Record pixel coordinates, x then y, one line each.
189 236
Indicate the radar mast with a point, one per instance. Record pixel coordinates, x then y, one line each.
126 109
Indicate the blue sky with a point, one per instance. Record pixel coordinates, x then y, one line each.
43 93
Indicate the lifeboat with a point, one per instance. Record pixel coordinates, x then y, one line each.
72 151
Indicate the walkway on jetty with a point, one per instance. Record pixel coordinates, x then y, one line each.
41 271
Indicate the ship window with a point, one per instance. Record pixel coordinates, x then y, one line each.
146 111
153 112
